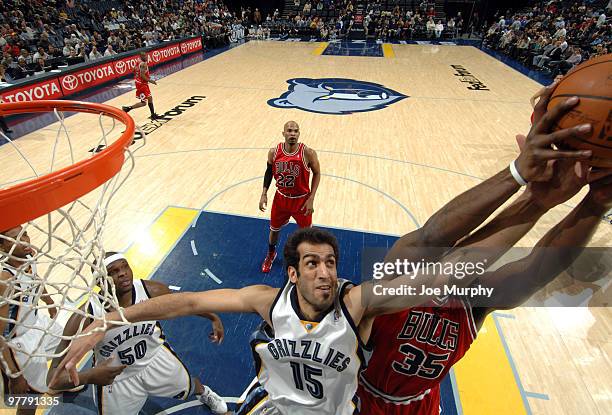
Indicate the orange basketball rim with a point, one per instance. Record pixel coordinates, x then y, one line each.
34 198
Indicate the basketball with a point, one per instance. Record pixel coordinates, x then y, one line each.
591 81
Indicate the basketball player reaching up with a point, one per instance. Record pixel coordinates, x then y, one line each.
290 163
306 356
414 349
134 362
20 284
143 93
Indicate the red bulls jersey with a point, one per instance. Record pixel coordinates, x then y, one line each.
414 349
141 76
290 171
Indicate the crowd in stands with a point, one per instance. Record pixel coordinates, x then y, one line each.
39 35
381 20
553 36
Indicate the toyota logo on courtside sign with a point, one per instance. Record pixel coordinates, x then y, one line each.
120 66
183 47
156 56
70 82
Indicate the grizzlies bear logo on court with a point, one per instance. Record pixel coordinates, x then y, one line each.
335 96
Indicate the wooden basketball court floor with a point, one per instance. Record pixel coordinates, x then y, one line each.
385 171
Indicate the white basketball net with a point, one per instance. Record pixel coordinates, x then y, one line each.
66 252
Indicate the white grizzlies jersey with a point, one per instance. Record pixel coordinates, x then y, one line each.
25 291
134 345
309 368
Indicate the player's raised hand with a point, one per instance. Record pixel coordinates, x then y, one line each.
77 349
104 374
567 177
533 161
263 202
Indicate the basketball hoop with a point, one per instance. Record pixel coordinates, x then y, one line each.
29 200
58 190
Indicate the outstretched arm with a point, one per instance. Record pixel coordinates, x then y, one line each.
514 283
156 289
507 228
252 299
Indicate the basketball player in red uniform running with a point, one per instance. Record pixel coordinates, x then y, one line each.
290 163
414 349
143 93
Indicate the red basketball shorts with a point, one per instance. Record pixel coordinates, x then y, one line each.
426 404
142 91
283 208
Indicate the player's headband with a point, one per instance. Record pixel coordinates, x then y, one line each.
112 258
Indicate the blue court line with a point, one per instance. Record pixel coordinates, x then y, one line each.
453 380
517 379
537 395
505 315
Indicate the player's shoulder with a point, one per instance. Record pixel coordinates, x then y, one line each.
260 299
309 150
272 154
309 153
259 296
